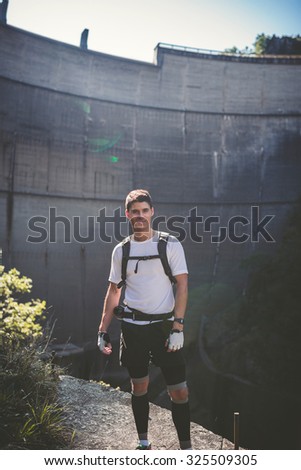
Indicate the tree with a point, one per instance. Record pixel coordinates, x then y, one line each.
275 45
270 315
260 43
258 337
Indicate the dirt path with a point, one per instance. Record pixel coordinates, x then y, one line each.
102 419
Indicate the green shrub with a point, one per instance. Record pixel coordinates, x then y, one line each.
257 336
18 321
30 417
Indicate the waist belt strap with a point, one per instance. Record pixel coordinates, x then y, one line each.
136 315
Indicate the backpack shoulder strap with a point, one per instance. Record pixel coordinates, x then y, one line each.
162 247
126 245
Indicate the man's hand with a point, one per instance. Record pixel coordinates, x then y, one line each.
104 343
175 340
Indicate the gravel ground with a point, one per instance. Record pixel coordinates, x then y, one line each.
101 417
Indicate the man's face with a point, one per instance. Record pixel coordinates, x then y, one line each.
140 215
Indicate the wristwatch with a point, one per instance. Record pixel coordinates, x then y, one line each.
179 320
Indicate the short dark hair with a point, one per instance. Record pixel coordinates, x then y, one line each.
138 195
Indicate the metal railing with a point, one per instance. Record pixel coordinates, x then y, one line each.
197 50
215 52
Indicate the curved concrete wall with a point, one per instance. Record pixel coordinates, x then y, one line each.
80 129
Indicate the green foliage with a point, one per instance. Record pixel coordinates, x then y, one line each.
272 306
18 321
258 339
30 417
287 45
232 50
44 423
264 44
206 300
260 43
236 50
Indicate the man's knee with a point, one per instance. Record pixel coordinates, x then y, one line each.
178 392
140 385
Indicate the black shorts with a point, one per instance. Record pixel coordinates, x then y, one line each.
142 344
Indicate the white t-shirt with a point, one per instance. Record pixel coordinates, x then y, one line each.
149 290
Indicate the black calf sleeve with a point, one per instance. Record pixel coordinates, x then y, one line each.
181 418
140 406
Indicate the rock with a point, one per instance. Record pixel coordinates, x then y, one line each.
101 417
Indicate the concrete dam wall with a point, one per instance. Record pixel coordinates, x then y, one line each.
211 137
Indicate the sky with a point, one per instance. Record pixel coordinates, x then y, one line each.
133 28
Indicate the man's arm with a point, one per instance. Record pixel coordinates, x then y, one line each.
111 301
180 298
176 338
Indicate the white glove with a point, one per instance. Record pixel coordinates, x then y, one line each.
175 340
104 342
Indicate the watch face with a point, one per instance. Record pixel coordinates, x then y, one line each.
180 320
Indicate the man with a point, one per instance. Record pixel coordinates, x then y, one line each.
152 317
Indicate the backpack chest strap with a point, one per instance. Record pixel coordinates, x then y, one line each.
162 244
142 258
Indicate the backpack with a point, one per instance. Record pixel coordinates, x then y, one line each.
162 245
